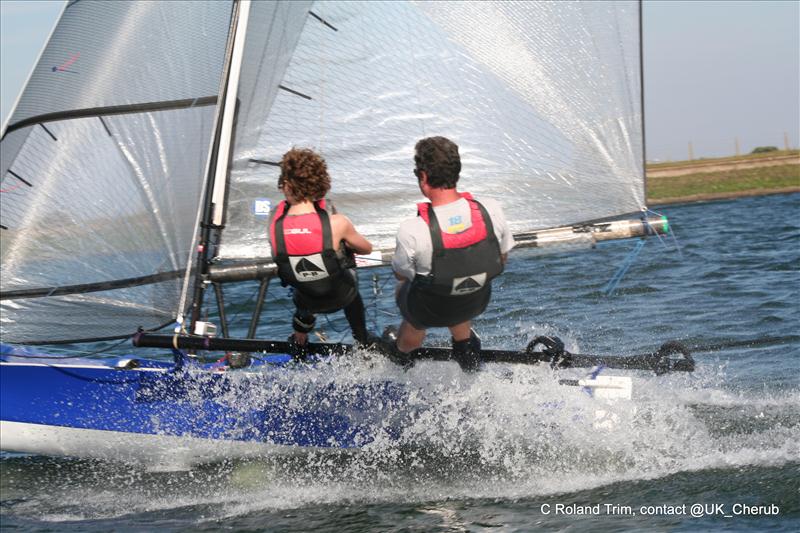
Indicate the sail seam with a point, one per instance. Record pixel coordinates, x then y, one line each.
112 110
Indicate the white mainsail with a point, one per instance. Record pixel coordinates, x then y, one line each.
104 156
543 98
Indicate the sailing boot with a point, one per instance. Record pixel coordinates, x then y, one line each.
302 322
467 353
388 346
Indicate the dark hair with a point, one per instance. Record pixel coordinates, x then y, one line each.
439 158
307 174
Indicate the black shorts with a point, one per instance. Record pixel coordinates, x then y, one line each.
426 310
402 303
341 296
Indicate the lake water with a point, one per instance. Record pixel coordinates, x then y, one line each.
492 452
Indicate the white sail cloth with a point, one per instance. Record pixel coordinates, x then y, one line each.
102 168
105 155
543 99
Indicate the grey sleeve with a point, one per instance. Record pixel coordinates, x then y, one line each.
404 261
501 229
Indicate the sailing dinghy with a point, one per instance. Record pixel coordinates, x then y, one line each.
139 168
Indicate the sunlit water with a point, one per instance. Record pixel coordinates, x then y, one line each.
503 449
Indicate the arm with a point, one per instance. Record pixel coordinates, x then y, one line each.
504 236
403 260
354 240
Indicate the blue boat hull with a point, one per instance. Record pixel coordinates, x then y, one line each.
57 407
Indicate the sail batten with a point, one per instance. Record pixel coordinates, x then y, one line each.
144 107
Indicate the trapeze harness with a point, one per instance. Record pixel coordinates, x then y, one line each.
307 260
463 265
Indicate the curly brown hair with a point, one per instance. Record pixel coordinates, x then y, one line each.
306 173
438 156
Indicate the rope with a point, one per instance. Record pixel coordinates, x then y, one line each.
79 354
611 286
376 291
242 306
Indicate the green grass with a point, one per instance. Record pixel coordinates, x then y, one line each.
722 182
779 153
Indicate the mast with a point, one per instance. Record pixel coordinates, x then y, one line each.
220 155
641 94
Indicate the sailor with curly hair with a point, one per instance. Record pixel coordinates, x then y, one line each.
313 246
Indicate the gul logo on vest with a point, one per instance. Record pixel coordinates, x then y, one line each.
468 284
309 267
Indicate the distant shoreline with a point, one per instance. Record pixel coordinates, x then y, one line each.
709 197
723 178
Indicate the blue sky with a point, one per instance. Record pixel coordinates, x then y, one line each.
715 71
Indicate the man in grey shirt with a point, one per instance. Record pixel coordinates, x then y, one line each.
446 257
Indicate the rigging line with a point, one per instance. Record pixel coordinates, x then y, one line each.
652 230
242 306
372 259
126 109
79 355
42 292
92 339
375 293
331 326
101 381
611 286
671 233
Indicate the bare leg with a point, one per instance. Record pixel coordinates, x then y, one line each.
300 338
410 338
461 331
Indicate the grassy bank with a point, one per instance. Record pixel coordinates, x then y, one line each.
715 184
728 159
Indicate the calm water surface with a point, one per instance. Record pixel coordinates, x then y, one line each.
495 451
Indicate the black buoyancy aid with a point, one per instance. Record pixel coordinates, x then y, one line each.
306 258
463 265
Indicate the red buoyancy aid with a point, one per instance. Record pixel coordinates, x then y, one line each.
304 252
475 233
463 265
302 233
